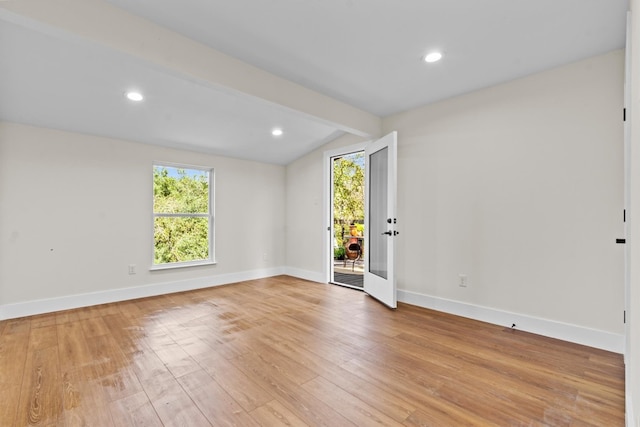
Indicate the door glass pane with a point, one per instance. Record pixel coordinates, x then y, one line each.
378 213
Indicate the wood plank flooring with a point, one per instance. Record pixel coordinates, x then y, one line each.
287 352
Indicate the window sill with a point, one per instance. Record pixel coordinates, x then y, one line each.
173 266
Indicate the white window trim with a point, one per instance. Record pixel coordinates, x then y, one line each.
173 265
211 215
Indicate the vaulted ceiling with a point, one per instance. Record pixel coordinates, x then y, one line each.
316 69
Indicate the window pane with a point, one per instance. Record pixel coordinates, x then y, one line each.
181 239
378 225
179 190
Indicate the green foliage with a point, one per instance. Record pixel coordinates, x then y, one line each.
187 193
348 194
339 252
179 239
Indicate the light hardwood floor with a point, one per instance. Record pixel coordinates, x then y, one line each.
283 351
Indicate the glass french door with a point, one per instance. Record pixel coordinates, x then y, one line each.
380 219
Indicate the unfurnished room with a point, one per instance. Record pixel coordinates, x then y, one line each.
320 213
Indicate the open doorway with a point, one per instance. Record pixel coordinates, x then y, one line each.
347 211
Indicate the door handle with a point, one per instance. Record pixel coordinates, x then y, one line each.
387 233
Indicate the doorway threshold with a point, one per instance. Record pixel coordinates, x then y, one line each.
355 281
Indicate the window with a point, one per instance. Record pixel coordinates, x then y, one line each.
182 216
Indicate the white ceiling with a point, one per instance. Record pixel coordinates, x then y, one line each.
366 53
78 86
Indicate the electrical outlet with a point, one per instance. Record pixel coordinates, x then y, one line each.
462 280
132 269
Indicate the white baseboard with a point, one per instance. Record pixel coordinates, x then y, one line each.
29 308
564 331
312 276
572 333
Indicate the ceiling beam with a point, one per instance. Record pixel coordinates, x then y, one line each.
99 22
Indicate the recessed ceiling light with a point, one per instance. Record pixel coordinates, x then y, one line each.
134 96
276 132
433 57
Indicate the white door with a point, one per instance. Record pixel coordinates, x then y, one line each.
380 219
627 191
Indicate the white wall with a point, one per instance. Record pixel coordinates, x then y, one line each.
76 211
518 186
306 229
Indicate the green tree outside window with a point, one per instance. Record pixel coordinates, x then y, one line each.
181 209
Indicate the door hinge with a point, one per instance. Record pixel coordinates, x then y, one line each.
624 114
624 215
624 316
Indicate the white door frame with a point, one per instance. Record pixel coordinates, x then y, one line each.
627 177
627 206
